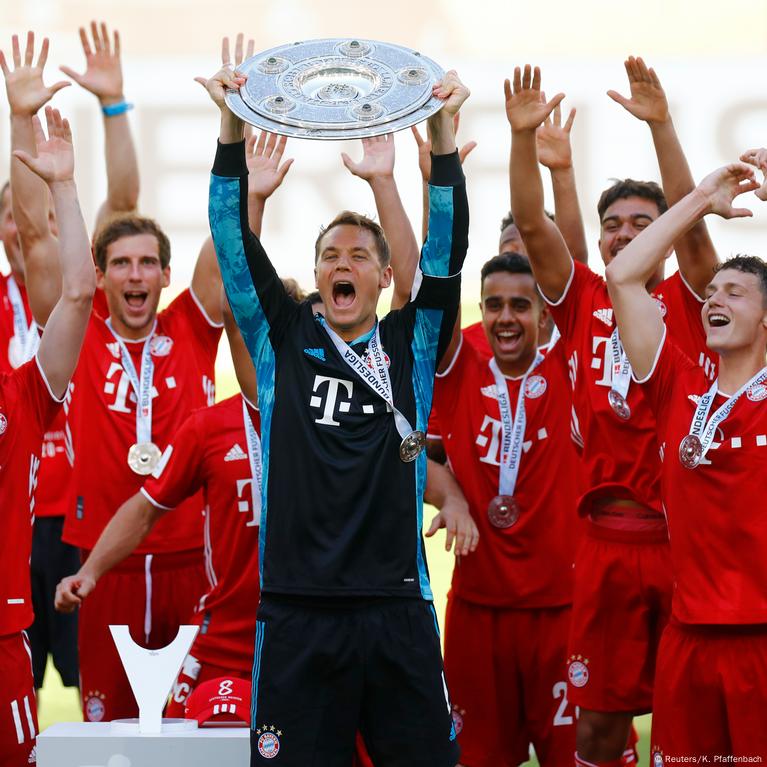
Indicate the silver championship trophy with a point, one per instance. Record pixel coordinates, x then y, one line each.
336 89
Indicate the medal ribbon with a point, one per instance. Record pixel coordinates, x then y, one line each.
377 378
28 336
141 386
512 428
254 454
705 430
621 366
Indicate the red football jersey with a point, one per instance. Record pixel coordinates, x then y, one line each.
10 349
476 337
529 564
620 456
27 407
55 469
210 452
717 511
102 418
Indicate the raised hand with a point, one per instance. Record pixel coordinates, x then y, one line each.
55 159
263 156
553 140
227 77
377 158
424 149
24 83
648 99
758 158
526 105
103 75
723 185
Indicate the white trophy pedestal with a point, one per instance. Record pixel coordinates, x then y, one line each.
178 744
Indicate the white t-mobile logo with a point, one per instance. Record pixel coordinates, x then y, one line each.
332 396
602 360
246 500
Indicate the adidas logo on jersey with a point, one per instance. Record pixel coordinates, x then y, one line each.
694 398
316 353
490 391
236 453
605 315
114 349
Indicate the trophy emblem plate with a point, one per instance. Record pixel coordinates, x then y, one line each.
335 89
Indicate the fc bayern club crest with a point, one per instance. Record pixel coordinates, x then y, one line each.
578 671
535 387
757 392
661 305
94 706
369 359
3 423
268 741
160 346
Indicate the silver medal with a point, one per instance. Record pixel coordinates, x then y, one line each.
412 446
144 457
619 405
690 451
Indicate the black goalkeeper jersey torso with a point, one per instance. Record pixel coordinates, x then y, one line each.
341 512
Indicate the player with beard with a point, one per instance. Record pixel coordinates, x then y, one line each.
346 633
508 609
30 397
622 574
712 660
53 633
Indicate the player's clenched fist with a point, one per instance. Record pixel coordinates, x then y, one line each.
71 591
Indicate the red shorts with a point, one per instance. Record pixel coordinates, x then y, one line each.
711 693
621 604
18 708
153 595
506 675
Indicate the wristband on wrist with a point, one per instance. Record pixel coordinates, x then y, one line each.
113 110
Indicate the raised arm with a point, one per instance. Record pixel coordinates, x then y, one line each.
103 78
424 165
555 153
30 199
526 109
444 493
125 531
64 332
639 321
695 251
377 168
266 172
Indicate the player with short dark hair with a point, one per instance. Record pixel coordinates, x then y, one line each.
345 621
622 576
508 610
30 397
129 226
712 660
